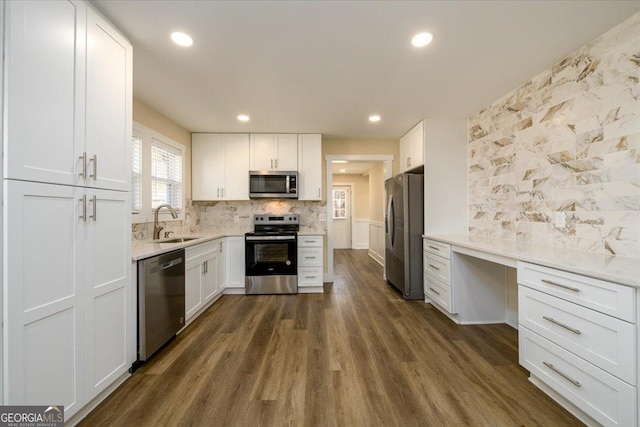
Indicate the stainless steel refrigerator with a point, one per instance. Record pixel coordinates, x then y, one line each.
403 234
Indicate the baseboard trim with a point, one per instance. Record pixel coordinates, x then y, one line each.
377 258
311 290
233 291
562 401
86 409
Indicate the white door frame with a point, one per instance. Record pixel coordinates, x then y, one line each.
352 187
386 159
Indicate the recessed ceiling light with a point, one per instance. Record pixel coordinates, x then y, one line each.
422 39
343 170
243 118
339 161
182 39
374 118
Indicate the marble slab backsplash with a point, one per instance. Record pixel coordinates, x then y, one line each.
214 215
189 225
567 142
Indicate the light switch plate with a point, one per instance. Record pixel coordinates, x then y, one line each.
559 219
322 217
236 218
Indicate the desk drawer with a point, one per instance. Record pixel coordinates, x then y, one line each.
438 292
438 248
309 241
607 399
310 257
437 266
605 341
609 298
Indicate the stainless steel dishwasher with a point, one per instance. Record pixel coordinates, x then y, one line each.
161 302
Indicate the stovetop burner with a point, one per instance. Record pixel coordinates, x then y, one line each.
269 224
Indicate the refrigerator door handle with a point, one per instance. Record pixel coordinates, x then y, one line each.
391 222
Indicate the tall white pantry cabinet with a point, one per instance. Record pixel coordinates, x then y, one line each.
66 134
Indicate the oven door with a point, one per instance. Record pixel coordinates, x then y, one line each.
271 255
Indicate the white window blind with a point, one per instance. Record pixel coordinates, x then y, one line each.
136 175
166 175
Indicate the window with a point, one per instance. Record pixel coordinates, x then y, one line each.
157 168
166 175
339 204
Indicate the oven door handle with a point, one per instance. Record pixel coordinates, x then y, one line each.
267 238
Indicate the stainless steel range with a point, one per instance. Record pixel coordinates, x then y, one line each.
271 250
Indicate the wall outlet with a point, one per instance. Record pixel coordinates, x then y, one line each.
236 218
559 219
322 217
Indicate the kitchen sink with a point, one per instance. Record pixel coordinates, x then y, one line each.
176 240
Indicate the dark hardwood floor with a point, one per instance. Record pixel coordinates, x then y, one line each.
357 355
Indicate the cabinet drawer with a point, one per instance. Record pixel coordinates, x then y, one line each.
438 292
437 266
605 341
309 276
609 298
607 399
201 249
438 248
309 241
310 257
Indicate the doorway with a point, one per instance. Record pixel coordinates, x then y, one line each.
341 208
385 173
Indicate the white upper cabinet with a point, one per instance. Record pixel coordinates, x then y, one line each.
45 90
412 148
68 98
108 105
309 166
220 166
273 152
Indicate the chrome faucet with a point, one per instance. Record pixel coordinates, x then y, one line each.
156 228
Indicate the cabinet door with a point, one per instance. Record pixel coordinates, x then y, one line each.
236 166
261 155
208 166
417 145
107 288
234 262
194 273
43 285
405 152
108 105
221 279
286 152
44 91
210 278
310 167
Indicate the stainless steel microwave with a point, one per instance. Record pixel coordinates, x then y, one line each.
273 185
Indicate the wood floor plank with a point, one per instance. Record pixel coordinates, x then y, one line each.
357 355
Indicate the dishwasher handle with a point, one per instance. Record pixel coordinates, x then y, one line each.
166 265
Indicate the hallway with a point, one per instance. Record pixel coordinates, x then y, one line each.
357 355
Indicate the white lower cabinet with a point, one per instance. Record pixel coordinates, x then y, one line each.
310 263
67 284
234 264
582 347
204 275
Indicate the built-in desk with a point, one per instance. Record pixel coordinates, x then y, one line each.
576 314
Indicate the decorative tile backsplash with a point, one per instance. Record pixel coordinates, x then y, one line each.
221 216
565 143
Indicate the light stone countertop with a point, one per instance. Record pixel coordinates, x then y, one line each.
613 268
141 249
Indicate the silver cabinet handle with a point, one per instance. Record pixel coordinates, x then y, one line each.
94 159
309 257
83 174
94 202
218 193
434 248
309 277
276 161
562 374
271 163
83 200
222 191
562 325
434 291
434 267
549 282
409 161
203 271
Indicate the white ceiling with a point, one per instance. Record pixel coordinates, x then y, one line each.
356 168
325 66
